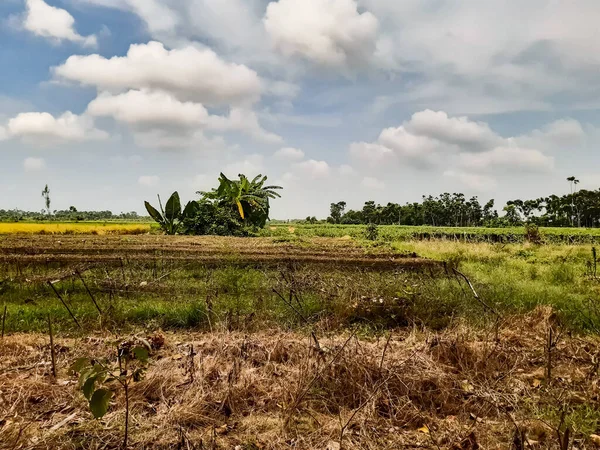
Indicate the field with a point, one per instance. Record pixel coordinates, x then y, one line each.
307 337
467 234
74 228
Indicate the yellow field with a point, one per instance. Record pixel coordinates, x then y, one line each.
74 228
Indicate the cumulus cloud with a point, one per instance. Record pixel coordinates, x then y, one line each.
346 169
474 181
245 121
313 168
513 158
250 166
34 164
329 33
372 183
160 113
54 23
148 180
147 108
188 73
458 131
289 154
44 128
563 134
429 138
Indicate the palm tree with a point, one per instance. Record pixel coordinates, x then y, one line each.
573 181
46 196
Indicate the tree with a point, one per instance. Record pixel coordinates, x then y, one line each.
46 196
336 211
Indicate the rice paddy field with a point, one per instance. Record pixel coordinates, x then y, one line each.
74 228
307 337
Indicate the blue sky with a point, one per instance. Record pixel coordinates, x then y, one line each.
113 101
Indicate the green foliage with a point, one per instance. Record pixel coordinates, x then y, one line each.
234 208
250 198
97 379
212 218
372 232
171 218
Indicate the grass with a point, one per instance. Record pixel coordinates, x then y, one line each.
59 228
390 233
404 355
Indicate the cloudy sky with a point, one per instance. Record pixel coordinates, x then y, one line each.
113 101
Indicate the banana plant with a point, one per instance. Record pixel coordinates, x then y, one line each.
250 197
171 217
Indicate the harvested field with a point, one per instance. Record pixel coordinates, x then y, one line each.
326 343
215 250
457 389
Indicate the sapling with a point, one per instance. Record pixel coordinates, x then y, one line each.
98 379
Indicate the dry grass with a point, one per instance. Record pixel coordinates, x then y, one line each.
458 389
73 228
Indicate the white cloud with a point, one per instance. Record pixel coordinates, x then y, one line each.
168 139
346 170
157 113
54 23
430 138
3 134
477 182
34 164
453 130
289 153
148 108
313 168
251 166
245 121
563 134
513 158
148 180
372 183
189 73
44 128
330 33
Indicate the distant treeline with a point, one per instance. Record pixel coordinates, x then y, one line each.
579 209
70 215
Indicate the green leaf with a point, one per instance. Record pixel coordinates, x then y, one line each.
79 365
154 213
99 402
173 208
190 210
141 354
88 387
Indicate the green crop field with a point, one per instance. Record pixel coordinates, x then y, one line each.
467 234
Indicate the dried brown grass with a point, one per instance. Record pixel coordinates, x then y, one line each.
458 389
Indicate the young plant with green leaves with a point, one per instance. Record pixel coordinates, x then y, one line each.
98 379
171 217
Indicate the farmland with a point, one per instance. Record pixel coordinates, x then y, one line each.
310 336
97 228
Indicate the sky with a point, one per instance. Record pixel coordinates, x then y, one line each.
111 102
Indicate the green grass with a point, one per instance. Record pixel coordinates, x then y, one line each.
390 233
512 278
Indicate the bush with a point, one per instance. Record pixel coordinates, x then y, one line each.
214 219
372 232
